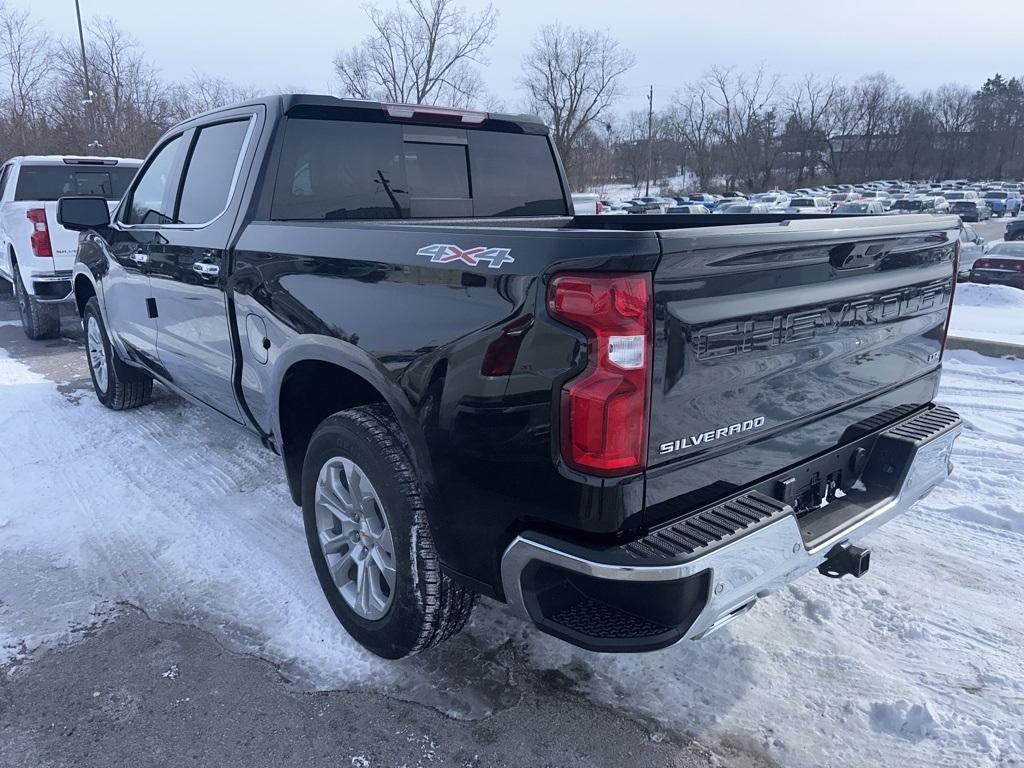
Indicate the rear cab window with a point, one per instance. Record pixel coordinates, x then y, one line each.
52 182
344 169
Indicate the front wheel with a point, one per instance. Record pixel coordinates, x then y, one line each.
368 537
118 386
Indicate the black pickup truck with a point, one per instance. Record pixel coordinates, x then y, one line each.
629 428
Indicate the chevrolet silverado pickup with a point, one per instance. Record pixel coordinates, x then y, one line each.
628 428
37 254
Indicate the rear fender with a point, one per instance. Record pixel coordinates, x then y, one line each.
353 359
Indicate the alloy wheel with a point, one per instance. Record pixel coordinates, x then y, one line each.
97 353
355 538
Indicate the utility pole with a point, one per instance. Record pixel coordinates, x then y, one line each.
650 140
87 102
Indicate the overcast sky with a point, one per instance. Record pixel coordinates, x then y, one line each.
273 43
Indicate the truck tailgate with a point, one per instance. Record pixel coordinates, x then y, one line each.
774 340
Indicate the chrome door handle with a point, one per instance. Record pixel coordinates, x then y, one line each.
139 258
206 270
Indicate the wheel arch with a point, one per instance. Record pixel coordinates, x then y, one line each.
84 290
317 376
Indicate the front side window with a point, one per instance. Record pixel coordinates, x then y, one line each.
339 169
152 200
211 169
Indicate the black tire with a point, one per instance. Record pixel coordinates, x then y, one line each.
126 387
39 321
1018 236
426 607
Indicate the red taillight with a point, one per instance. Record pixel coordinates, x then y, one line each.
40 238
982 264
599 207
603 421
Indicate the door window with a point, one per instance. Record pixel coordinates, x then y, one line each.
152 200
211 169
3 178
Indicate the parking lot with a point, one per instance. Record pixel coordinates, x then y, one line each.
156 553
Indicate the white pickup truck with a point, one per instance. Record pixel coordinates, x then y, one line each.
36 253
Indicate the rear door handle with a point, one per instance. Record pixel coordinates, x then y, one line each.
139 258
206 270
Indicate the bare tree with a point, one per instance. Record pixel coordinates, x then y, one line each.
810 104
954 116
419 51
695 118
572 76
201 93
748 120
130 108
26 54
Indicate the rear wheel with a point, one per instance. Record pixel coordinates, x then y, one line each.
118 386
368 537
39 321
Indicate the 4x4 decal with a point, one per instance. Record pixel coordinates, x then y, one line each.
441 253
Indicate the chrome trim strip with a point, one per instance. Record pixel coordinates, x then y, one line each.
749 567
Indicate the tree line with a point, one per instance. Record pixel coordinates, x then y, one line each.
725 128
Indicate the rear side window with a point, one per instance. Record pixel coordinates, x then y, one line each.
335 169
51 182
211 169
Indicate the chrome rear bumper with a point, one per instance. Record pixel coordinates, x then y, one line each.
723 580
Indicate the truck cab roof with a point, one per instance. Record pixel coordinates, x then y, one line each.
300 104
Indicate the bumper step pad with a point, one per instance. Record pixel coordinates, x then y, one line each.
690 536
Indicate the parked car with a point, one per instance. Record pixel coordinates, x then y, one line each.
36 253
859 208
481 407
800 205
960 194
648 204
733 195
586 203
972 248
657 204
1002 202
1002 265
971 210
913 205
838 198
614 207
691 209
748 208
1014 230
708 201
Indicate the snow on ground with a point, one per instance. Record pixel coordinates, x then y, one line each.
171 509
988 312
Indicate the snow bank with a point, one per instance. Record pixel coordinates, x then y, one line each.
988 313
174 510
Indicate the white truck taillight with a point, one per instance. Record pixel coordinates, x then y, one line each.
40 238
603 425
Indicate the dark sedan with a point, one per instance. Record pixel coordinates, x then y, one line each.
1003 265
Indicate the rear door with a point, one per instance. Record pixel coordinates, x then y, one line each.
773 340
189 268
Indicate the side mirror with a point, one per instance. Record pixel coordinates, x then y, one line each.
83 213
